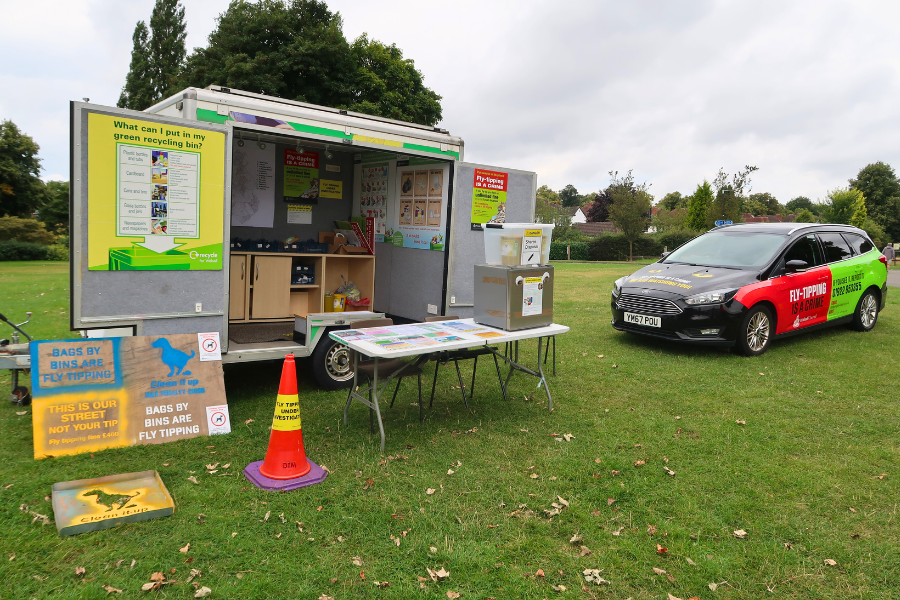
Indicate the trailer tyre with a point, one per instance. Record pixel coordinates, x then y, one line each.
20 396
332 365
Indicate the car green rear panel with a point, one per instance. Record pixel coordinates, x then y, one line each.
850 278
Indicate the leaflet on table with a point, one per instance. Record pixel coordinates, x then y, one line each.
473 329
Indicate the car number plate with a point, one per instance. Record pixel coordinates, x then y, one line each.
645 320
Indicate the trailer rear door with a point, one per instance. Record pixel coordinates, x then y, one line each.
467 237
148 221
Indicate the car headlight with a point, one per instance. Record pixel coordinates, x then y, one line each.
716 297
617 286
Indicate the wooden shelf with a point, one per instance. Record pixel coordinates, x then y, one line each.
248 293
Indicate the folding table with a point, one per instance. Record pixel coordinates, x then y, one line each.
397 341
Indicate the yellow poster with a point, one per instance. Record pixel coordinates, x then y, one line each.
331 189
155 195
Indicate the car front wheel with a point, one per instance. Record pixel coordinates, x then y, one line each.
866 314
756 332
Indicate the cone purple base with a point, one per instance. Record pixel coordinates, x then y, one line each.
316 475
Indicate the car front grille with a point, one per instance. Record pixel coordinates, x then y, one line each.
647 304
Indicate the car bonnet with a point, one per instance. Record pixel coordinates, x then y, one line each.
686 280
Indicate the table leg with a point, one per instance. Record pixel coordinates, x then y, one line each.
500 377
375 401
437 365
462 386
544 379
354 385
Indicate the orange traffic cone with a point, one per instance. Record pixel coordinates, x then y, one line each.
286 458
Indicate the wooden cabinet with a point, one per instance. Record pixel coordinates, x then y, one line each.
270 291
261 290
238 287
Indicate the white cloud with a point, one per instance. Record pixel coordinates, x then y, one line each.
674 90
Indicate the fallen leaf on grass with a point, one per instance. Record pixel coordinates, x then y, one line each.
24 412
740 422
539 573
669 471
233 533
356 561
450 471
585 551
610 501
651 529
78 570
203 592
830 562
670 596
158 576
324 597
432 549
662 572
690 562
111 590
882 476
452 595
211 466
185 548
740 534
381 584
248 421
133 562
614 472
196 573
534 476
661 550
575 539
558 588
593 576
639 463
618 531
563 501
193 479
568 437
430 491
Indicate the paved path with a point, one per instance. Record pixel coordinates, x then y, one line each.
893 279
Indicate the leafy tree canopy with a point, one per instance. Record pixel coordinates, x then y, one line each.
296 49
138 92
879 184
804 215
842 204
630 209
569 196
167 50
24 230
547 195
55 212
21 189
699 206
771 204
798 203
673 200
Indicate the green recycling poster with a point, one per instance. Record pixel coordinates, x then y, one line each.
301 177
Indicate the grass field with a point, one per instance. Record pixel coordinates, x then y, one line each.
809 473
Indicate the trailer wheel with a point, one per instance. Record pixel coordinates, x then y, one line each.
332 365
20 396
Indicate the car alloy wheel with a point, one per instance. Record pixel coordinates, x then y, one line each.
868 311
758 332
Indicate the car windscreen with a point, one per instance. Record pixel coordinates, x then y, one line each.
734 249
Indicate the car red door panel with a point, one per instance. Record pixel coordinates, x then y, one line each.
801 299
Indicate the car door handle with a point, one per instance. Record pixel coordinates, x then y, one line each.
257 271
242 270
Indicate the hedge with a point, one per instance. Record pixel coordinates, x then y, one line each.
578 251
16 250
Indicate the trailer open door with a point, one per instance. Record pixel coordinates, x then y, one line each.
507 193
148 221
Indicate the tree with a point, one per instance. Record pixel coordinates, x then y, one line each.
24 230
138 93
699 206
804 215
726 207
630 210
860 214
739 180
296 49
673 200
544 193
598 210
21 189
167 50
771 204
798 203
388 85
569 196
55 212
754 207
879 184
842 204
669 220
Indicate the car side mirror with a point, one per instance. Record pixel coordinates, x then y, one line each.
665 254
796 265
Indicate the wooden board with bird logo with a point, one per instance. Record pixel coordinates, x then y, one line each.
93 504
98 393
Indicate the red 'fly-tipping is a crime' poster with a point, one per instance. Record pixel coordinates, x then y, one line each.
489 196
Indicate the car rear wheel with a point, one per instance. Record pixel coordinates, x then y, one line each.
866 314
756 332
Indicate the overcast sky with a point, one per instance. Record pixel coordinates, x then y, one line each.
806 90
